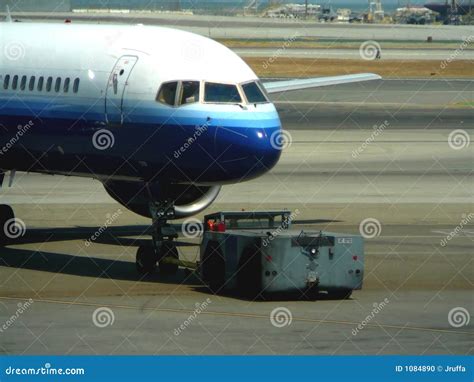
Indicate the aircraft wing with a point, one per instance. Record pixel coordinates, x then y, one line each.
283 86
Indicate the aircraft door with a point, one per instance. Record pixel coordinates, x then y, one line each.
116 87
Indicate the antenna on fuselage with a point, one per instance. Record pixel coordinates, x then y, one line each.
8 18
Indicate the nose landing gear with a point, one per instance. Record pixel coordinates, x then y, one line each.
6 215
163 251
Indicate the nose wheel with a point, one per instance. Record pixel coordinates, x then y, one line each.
166 259
163 253
146 260
6 215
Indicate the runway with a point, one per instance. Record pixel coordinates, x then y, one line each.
407 177
258 27
334 53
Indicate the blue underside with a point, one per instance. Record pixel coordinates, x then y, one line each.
189 144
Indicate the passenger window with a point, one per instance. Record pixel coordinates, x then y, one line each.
75 88
23 83
67 81
15 82
40 84
253 93
49 84
221 93
32 83
57 86
6 82
167 93
189 92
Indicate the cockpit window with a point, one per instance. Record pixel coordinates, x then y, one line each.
253 93
221 93
189 92
167 94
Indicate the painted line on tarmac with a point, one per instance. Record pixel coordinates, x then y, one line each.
239 315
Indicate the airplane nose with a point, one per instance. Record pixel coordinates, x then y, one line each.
267 146
248 153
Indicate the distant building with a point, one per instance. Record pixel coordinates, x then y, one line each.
294 11
413 15
444 8
344 14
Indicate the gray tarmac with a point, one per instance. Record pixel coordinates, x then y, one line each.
407 177
264 28
335 53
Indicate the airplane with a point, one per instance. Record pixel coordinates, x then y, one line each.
163 118
462 8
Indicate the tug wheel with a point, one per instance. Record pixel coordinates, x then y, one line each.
145 260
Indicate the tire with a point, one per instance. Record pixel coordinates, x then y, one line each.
169 251
339 294
6 214
214 267
249 274
145 260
